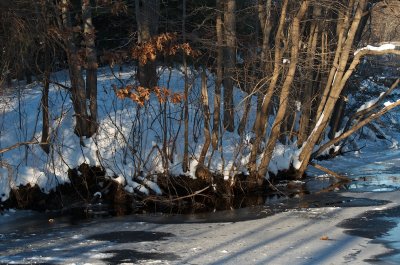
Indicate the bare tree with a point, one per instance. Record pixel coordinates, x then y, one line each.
261 116
342 67
284 95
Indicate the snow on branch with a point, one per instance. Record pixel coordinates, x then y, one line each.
373 116
383 47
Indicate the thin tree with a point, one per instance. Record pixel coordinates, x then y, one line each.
284 95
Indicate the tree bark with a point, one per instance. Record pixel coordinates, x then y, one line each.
45 139
206 111
218 81
45 110
264 16
147 15
349 131
78 92
336 81
337 117
229 62
284 96
185 162
262 113
91 65
243 120
312 69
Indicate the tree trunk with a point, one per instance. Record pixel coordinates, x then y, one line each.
359 125
185 162
337 116
45 139
229 62
284 96
264 16
336 81
312 72
262 113
206 111
91 65
243 121
218 81
78 92
147 15
45 109
356 119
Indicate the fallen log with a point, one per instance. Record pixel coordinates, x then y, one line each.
330 172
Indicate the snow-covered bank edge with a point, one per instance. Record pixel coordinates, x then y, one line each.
130 140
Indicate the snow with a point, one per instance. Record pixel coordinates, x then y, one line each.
370 103
4 184
383 47
124 145
319 122
282 157
152 185
375 162
296 232
388 103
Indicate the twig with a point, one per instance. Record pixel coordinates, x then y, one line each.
184 197
331 187
330 172
18 145
60 85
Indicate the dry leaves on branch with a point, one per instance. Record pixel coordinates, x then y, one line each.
165 44
119 7
141 95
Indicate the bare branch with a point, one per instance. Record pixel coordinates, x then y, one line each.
330 172
358 126
18 145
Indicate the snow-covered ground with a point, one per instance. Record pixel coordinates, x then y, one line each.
130 138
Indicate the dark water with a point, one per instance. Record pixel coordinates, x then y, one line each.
35 228
392 240
381 226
